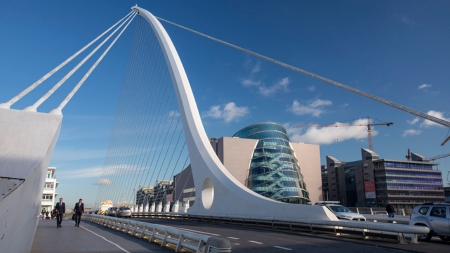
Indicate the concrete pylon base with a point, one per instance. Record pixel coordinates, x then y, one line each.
27 140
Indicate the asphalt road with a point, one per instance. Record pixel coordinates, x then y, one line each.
248 240
89 237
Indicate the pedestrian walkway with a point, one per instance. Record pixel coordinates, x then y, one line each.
88 237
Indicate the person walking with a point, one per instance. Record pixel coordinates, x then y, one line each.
390 210
79 210
61 208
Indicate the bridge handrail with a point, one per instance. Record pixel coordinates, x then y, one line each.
166 235
372 227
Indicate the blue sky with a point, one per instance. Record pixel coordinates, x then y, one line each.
397 50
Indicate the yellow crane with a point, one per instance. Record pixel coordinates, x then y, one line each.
369 126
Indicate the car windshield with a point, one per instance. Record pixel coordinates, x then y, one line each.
340 209
125 209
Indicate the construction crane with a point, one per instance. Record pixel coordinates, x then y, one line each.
443 143
368 125
438 157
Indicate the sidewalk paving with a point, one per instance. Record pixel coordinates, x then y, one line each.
89 237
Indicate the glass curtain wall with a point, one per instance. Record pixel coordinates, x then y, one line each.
274 171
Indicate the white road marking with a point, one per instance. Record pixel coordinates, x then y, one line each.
233 238
115 244
255 242
279 247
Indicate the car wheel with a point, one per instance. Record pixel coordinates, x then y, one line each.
445 238
424 237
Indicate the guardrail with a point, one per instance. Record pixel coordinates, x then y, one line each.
166 236
366 229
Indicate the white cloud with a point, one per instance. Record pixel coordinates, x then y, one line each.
174 114
230 112
104 181
280 85
427 123
414 121
411 132
256 68
81 173
69 154
98 171
312 88
314 108
213 112
320 102
424 86
250 82
329 135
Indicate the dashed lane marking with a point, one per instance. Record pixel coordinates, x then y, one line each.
279 247
255 242
233 238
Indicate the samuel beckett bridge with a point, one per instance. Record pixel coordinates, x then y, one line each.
159 154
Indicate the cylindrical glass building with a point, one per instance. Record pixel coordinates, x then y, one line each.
274 171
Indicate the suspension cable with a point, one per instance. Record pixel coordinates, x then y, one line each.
57 85
321 78
49 74
75 89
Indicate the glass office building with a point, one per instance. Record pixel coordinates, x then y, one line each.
407 183
274 170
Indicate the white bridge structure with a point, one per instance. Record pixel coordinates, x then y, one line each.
157 132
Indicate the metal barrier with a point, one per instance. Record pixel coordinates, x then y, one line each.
366 229
166 236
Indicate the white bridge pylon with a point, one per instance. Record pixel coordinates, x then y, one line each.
218 193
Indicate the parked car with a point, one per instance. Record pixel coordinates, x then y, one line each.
123 212
342 212
111 211
435 216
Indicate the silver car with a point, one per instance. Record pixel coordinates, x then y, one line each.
123 212
343 213
435 216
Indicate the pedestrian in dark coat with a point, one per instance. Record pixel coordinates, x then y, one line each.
61 208
79 210
390 210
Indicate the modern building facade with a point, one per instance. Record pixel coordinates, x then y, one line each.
261 158
161 192
144 194
49 193
447 194
372 182
274 171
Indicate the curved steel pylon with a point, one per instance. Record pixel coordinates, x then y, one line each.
217 191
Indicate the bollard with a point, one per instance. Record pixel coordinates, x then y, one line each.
216 245
141 207
176 206
185 206
152 208
167 207
159 207
146 208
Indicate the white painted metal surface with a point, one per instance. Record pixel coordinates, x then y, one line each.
218 192
364 227
27 140
180 239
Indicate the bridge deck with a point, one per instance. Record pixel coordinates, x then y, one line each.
88 237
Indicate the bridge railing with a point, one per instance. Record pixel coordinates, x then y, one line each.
366 229
166 236
380 210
